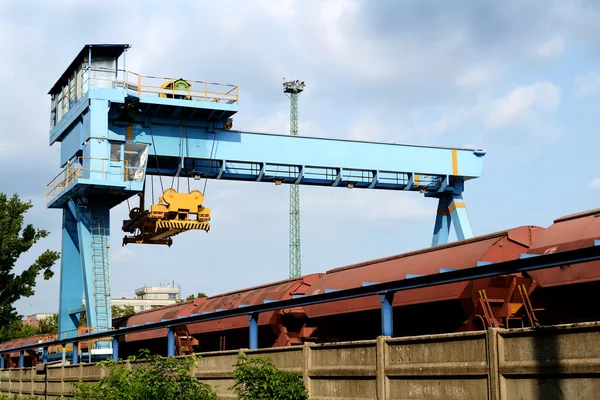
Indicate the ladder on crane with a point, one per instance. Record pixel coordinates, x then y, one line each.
100 273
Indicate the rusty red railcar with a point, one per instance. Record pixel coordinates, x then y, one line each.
30 357
446 308
568 293
276 328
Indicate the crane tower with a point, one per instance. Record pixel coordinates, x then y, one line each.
294 88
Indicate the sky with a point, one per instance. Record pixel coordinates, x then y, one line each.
519 79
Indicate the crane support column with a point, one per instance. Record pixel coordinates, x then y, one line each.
71 277
451 208
84 267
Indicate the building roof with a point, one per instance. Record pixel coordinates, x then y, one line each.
107 50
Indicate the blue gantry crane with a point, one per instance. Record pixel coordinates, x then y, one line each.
116 127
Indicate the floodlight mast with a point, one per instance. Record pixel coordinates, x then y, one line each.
294 88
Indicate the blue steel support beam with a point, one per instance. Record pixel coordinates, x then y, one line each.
71 279
311 152
2 361
451 209
94 232
253 331
75 353
115 348
458 211
441 229
569 257
45 355
171 341
387 314
21 359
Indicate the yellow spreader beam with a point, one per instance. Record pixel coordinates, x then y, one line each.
174 213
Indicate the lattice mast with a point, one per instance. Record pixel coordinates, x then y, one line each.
293 90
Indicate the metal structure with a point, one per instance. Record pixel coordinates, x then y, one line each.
116 127
293 89
384 291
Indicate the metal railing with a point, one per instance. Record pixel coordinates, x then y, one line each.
65 179
174 88
76 168
385 291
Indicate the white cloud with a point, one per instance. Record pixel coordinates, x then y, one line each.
367 205
385 62
123 255
588 84
475 77
366 130
524 101
551 48
595 184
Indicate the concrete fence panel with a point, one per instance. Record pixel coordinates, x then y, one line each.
550 363
216 370
343 370
449 367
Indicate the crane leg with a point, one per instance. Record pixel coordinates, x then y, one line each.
460 219
451 208
441 229
94 234
71 279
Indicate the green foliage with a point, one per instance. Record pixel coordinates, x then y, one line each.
48 324
198 296
154 377
15 330
122 311
258 379
15 240
15 397
116 311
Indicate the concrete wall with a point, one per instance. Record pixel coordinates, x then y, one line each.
543 364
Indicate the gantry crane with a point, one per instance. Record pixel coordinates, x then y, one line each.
116 127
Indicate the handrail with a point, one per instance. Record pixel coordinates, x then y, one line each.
75 170
130 80
528 262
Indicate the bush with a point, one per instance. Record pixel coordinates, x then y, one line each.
154 378
4 397
258 379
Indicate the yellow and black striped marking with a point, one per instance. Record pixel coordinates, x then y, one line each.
183 225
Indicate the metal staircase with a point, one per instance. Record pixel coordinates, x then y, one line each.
101 275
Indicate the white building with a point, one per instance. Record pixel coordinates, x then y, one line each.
150 297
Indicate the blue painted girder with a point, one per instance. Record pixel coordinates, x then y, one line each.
237 155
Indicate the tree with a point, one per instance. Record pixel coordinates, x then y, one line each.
15 240
153 378
198 296
122 311
259 379
116 311
48 324
15 329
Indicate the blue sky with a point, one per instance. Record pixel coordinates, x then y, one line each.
519 78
